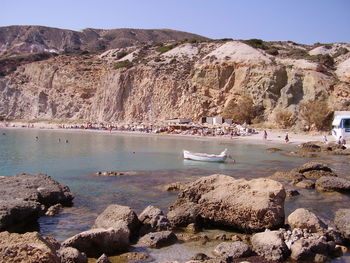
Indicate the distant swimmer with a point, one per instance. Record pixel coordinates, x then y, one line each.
36 138
59 139
66 141
4 134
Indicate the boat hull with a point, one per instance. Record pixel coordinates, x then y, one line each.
204 157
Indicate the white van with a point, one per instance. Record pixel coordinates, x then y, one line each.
341 125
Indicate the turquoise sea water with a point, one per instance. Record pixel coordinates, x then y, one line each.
157 160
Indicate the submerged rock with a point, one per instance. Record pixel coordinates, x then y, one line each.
28 247
23 198
329 183
158 239
222 200
304 219
233 250
53 210
173 187
95 242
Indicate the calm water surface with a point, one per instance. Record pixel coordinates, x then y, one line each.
157 160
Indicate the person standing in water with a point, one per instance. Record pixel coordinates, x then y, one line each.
286 138
265 135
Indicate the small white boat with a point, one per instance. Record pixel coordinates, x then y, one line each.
206 157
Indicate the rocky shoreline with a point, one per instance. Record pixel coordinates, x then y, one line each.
254 209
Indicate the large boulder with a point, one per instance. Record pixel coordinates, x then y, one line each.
233 250
270 245
97 241
28 247
222 200
23 197
304 219
158 239
342 222
153 219
330 183
314 170
115 216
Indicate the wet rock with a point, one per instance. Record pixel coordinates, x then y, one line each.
173 187
301 154
97 241
342 222
200 257
152 220
103 259
116 173
310 146
71 255
56 245
312 166
292 193
131 257
319 258
158 239
273 150
233 250
304 219
222 200
53 210
307 249
115 216
270 245
330 183
192 228
332 147
28 247
306 184
24 196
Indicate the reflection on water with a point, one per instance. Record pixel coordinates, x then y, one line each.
158 161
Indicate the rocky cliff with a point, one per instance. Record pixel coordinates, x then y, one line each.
152 82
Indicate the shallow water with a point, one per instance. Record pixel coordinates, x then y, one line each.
158 160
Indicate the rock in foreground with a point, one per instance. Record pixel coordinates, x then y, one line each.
97 241
22 197
29 247
222 200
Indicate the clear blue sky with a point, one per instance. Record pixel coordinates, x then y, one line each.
303 21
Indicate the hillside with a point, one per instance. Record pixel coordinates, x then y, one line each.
157 81
29 39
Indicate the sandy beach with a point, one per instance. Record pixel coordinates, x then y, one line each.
273 136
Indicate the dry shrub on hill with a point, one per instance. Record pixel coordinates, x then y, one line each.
240 110
284 119
316 115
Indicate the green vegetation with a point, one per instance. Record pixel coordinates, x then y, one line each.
123 64
260 44
163 49
121 54
325 59
316 115
341 51
157 59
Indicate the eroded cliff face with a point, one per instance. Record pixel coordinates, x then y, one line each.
190 80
